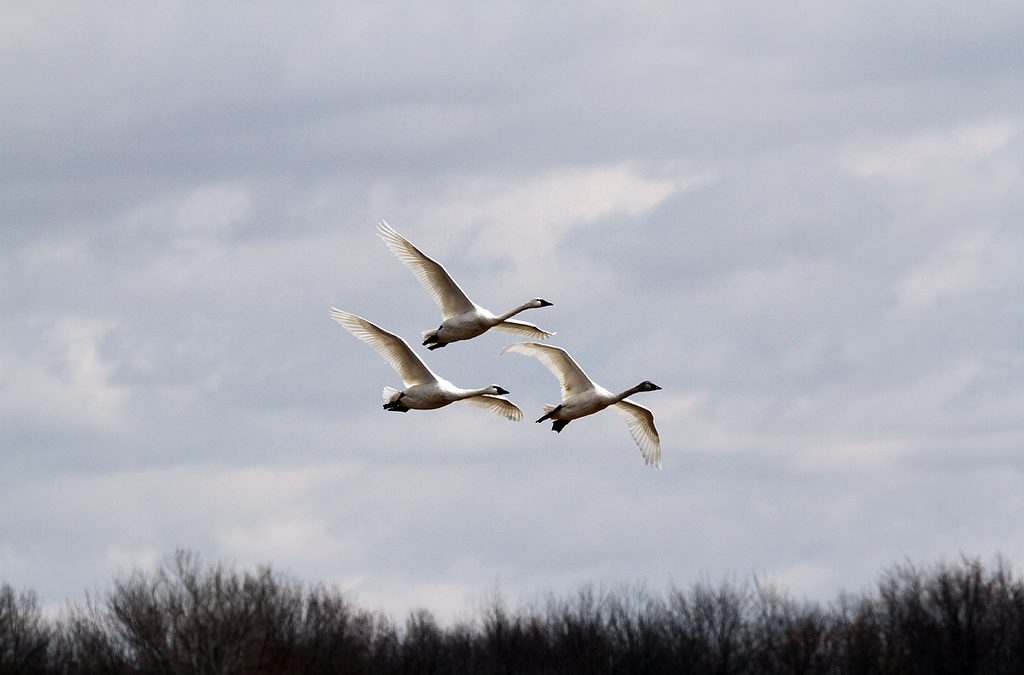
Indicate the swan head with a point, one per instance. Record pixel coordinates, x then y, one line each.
647 385
539 302
496 390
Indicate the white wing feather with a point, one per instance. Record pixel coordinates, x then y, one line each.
496 404
557 360
523 329
392 348
431 274
640 421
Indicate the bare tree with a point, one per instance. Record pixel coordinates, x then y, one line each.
24 635
190 617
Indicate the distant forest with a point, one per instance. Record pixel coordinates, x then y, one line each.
191 617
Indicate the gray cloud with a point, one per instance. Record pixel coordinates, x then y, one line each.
800 222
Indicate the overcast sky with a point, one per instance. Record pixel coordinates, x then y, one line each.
803 220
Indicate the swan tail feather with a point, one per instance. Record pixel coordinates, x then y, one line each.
390 394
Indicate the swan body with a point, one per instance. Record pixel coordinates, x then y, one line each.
463 319
424 390
581 396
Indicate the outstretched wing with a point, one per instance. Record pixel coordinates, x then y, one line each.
523 328
394 349
640 421
557 360
430 273
496 404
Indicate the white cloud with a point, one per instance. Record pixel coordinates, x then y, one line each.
68 253
288 538
525 219
520 223
803 579
126 559
65 381
927 153
11 564
971 261
446 600
846 455
213 208
776 290
181 237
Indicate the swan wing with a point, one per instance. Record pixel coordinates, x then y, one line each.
523 328
496 404
394 349
557 360
430 273
640 421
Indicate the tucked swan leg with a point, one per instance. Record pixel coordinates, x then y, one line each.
396 404
549 413
430 338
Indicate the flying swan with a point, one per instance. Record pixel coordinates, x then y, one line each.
581 396
424 389
462 318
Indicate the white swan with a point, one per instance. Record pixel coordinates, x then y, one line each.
424 389
463 318
581 396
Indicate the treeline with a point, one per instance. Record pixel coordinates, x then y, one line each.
187 617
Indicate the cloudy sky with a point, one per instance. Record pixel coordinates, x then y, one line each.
804 222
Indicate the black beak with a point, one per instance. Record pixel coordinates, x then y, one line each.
545 303
502 391
654 386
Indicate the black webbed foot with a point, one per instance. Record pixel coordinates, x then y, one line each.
558 425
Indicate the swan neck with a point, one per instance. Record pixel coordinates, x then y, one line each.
629 392
512 312
470 393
